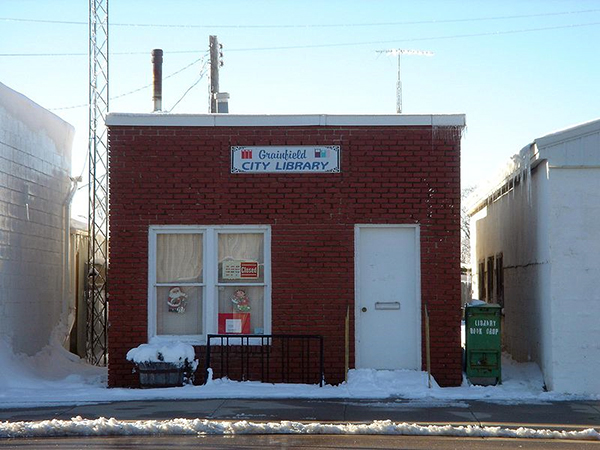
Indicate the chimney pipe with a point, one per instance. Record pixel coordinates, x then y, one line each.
157 60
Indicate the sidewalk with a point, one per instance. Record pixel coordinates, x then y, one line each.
563 415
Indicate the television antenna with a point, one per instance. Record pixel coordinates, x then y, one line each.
399 52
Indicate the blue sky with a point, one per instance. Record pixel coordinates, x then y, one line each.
517 69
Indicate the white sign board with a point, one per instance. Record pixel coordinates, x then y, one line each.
285 159
233 326
238 270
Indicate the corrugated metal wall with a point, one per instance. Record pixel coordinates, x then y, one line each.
35 164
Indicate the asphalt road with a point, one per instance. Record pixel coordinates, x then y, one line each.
572 415
289 442
567 416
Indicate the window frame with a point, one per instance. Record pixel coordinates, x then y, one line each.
210 281
499 279
481 280
490 279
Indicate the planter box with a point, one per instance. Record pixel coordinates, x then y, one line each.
161 374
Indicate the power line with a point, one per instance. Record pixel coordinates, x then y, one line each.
343 44
202 73
432 38
135 90
328 25
85 54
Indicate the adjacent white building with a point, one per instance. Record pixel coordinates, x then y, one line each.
536 250
35 192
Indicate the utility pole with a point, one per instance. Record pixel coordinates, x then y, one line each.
399 53
215 62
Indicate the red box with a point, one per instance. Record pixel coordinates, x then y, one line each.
234 323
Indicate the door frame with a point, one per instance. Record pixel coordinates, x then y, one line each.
418 299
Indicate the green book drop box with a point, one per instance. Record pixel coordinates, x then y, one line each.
483 343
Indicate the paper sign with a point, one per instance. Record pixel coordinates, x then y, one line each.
234 323
238 270
233 326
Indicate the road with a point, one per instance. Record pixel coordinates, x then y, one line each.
289 442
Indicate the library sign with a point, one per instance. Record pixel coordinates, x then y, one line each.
285 159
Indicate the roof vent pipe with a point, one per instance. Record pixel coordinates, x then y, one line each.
157 60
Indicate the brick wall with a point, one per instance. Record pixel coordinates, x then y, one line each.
391 174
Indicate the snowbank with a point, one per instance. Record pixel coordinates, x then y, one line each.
50 368
112 427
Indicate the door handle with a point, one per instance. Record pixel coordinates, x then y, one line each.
364 309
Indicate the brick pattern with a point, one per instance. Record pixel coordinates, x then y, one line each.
181 175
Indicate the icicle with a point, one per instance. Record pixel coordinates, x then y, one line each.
516 172
447 132
528 172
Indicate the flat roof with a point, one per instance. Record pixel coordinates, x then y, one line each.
259 120
535 152
573 132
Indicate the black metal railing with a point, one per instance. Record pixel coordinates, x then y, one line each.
269 358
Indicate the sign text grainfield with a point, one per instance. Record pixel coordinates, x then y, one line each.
289 159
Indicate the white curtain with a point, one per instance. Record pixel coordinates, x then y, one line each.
179 258
241 246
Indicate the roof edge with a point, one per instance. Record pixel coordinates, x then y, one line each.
572 132
292 120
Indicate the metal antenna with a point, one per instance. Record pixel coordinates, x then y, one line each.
96 296
399 53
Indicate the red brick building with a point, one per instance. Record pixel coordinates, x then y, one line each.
285 225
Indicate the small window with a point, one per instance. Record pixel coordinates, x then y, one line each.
500 279
481 280
490 279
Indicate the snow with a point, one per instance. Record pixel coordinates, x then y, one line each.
476 302
176 353
78 426
514 171
57 377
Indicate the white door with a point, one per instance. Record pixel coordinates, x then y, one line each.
388 313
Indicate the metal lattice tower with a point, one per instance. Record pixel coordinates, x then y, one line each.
96 295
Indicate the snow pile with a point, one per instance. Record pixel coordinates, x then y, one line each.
53 366
112 427
176 353
370 383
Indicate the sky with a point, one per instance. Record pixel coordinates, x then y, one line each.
518 70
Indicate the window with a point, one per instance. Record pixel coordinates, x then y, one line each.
241 283
500 279
179 287
490 279
208 280
481 280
